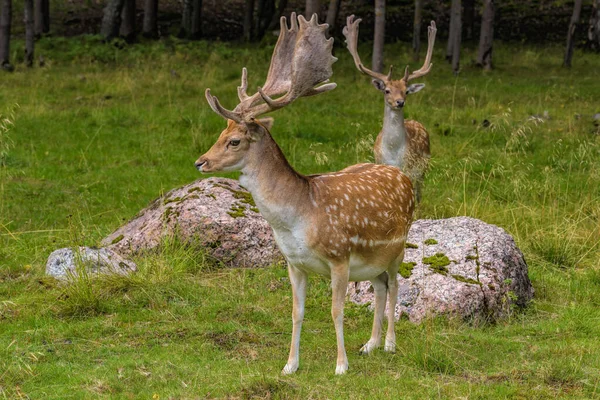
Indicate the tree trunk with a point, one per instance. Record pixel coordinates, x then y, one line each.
379 37
594 26
111 21
41 16
275 19
486 37
186 19
312 7
571 33
248 20
150 28
197 20
469 18
266 10
5 24
417 29
456 35
332 15
127 30
29 32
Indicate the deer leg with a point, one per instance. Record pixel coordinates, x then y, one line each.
380 287
339 285
298 279
390 337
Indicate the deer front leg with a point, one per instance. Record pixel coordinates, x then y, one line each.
298 279
390 337
339 285
380 288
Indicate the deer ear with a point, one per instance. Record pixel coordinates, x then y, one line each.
378 83
414 88
267 122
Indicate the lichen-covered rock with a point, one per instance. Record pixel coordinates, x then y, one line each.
67 262
458 266
216 213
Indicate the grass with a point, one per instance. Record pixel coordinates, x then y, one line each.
100 132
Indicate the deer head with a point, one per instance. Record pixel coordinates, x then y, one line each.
395 91
300 66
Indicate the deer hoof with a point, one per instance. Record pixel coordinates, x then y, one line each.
289 369
369 347
341 369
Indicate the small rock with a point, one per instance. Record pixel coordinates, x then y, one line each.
596 117
66 262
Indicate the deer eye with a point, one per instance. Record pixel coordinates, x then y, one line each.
234 142
387 91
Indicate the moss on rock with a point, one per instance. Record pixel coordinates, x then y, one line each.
406 269
438 263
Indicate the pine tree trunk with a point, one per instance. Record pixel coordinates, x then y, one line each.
486 37
41 16
150 28
111 21
451 30
469 18
379 37
5 25
594 26
571 33
127 30
29 32
248 20
275 19
312 7
266 10
197 20
456 35
332 15
186 19
417 29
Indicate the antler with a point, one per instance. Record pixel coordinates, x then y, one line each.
424 70
301 61
351 33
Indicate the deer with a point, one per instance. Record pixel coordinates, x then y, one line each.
349 225
404 144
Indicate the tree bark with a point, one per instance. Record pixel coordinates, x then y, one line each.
29 32
594 26
332 15
127 30
456 35
150 27
379 36
41 16
571 33
266 10
197 20
5 26
248 20
469 18
486 37
312 7
275 19
186 19
417 29
111 21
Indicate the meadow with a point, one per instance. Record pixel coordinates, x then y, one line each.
101 131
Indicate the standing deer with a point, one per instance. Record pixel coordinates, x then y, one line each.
349 226
404 144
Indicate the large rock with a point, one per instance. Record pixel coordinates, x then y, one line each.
216 213
458 266
67 262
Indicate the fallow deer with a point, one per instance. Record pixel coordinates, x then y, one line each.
348 226
404 144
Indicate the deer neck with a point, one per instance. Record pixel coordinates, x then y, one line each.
280 193
393 137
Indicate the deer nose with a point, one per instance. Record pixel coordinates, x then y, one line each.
400 103
199 163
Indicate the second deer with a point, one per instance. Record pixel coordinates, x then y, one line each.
404 144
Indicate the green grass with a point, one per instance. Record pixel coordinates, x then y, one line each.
100 132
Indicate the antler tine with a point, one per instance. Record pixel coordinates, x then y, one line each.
219 109
242 95
351 33
424 70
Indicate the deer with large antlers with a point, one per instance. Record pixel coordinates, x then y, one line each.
349 226
404 144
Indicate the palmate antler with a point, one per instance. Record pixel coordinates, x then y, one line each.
351 33
301 61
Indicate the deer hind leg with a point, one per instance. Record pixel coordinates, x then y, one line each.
380 288
390 337
298 279
339 285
